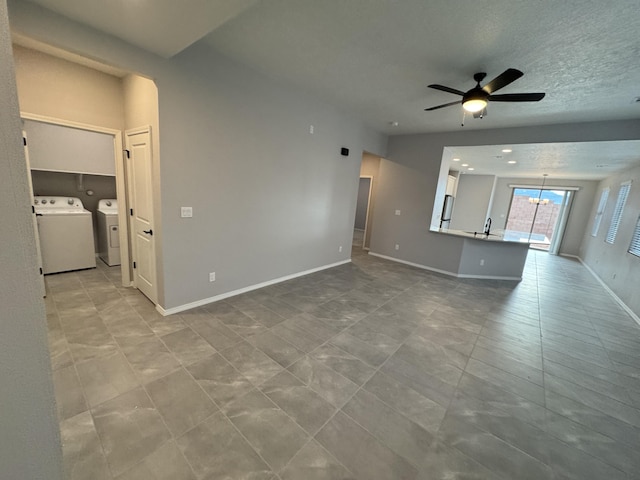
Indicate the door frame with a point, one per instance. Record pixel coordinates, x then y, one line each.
561 224
121 191
36 232
366 217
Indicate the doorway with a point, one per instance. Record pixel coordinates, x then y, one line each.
57 176
538 216
127 100
362 212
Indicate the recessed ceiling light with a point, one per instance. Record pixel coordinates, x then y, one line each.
511 162
471 168
456 159
394 124
465 164
506 150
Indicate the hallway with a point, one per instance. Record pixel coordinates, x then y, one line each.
371 370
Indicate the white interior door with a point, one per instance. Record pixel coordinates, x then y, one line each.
140 188
35 219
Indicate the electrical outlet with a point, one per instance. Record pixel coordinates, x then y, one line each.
212 277
482 262
397 212
311 129
397 247
340 248
186 212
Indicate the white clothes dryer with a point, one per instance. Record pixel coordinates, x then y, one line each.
108 232
66 234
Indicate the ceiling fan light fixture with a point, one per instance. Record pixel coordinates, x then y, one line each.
474 105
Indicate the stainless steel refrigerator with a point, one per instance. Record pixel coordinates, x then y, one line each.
447 208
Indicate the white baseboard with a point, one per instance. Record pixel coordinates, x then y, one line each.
624 306
444 272
222 296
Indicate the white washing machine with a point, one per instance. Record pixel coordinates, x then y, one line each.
108 232
66 234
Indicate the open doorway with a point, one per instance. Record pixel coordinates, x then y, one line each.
365 206
362 211
538 216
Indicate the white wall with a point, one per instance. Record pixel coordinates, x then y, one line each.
471 206
578 216
269 198
29 435
612 263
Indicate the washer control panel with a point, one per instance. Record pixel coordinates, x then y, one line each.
51 203
108 206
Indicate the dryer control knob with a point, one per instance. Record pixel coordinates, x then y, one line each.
52 201
36 201
108 202
44 200
70 201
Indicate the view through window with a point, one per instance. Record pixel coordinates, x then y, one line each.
533 216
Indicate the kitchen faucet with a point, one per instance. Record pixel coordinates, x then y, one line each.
487 227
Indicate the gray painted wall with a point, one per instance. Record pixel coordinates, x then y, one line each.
29 435
471 206
500 259
578 216
614 265
412 178
269 199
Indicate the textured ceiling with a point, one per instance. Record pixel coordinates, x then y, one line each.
375 58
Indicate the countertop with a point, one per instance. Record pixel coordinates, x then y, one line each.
501 236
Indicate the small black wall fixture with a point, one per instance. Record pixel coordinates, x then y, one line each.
344 152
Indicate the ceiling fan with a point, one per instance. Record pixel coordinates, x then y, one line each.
475 100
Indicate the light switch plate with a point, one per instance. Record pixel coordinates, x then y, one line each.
186 212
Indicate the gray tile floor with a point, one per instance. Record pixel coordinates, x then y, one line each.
371 370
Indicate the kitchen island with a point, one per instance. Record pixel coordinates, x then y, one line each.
477 255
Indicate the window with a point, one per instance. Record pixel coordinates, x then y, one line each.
601 206
617 213
634 248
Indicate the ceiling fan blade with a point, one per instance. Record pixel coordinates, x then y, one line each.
443 105
502 80
517 97
446 89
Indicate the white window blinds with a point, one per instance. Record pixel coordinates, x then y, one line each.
601 206
617 213
634 248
